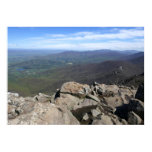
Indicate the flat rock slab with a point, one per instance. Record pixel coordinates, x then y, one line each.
75 88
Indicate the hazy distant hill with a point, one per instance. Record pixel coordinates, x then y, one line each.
47 81
130 52
20 55
106 72
135 80
68 57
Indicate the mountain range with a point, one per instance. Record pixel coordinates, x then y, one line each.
46 72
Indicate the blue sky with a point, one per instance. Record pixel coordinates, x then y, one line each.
76 38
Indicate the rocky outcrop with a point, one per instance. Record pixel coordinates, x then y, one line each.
75 104
140 93
45 114
75 89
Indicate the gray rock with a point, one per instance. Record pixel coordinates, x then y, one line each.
42 98
95 83
100 91
10 94
26 107
140 93
68 101
134 119
12 112
85 117
93 97
114 101
77 103
76 89
45 114
95 112
109 88
137 106
105 120
124 122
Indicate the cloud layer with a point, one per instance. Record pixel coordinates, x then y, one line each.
117 39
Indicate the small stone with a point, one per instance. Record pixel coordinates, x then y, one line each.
85 117
95 112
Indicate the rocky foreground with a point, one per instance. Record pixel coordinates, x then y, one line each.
75 104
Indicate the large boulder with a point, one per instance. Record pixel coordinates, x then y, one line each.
45 114
12 112
126 94
115 101
90 111
68 101
42 98
25 107
85 103
18 105
107 90
113 95
76 89
109 119
76 103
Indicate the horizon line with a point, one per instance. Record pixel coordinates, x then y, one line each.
73 49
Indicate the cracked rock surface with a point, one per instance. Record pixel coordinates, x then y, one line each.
79 104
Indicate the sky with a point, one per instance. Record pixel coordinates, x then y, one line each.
76 38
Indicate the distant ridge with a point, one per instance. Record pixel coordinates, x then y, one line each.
29 74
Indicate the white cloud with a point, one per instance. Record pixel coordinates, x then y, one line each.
122 34
61 46
35 38
56 35
83 33
12 45
88 40
114 45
